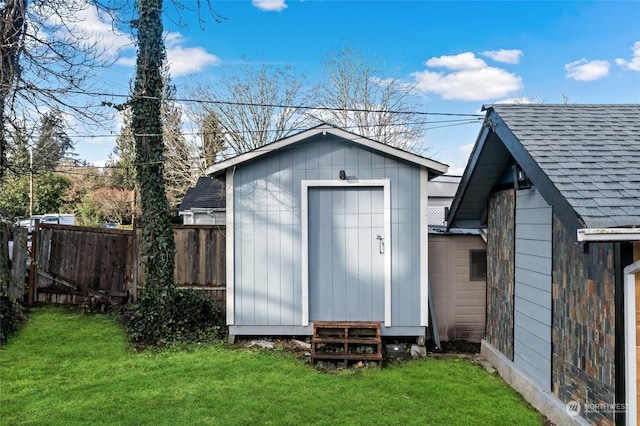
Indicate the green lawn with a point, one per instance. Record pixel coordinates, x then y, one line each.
68 368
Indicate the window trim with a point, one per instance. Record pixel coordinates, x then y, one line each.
473 252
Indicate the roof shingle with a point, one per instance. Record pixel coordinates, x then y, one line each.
591 153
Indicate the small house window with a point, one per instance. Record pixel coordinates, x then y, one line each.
477 265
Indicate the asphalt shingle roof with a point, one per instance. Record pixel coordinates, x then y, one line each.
208 193
591 153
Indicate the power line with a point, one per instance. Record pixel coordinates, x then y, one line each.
451 123
265 105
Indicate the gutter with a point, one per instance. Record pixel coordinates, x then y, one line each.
608 234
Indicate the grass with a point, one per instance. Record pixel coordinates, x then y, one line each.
69 368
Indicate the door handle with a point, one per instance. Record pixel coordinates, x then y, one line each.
380 239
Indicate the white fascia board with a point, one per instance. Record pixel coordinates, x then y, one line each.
424 247
608 234
230 247
631 371
324 129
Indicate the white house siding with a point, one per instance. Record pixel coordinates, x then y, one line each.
267 225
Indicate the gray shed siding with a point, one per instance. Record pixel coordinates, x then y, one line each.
532 302
268 227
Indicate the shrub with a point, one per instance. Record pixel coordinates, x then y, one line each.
180 317
194 310
11 315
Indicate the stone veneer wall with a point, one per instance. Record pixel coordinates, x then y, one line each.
583 364
501 271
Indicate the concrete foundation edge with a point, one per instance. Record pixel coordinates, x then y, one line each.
544 401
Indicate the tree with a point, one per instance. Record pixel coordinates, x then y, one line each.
47 58
53 143
84 179
158 246
182 166
18 153
122 161
49 190
212 137
354 96
112 204
252 106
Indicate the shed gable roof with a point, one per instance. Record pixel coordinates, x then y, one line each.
580 157
435 168
208 193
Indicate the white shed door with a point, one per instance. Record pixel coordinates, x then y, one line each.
532 305
346 254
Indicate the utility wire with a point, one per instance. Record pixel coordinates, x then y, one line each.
450 124
252 104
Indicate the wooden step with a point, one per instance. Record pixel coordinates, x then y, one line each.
344 339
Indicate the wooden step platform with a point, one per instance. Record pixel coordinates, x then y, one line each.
346 342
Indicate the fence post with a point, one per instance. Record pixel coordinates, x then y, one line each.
33 266
19 263
134 259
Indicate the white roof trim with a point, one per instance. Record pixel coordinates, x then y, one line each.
324 129
609 234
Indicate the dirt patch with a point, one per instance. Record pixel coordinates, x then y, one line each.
301 348
460 347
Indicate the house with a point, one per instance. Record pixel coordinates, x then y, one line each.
204 204
558 189
441 192
326 225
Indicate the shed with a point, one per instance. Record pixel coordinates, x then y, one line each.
457 268
558 188
204 203
458 277
326 225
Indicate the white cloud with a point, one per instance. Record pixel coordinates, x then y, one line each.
127 61
462 61
186 60
584 70
270 5
522 100
634 63
95 28
182 60
508 56
470 79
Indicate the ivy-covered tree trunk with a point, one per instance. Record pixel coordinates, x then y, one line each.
158 247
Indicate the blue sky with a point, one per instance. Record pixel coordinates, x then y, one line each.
460 54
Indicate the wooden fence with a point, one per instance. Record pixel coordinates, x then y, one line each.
18 258
73 262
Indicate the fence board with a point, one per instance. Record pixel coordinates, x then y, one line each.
107 261
19 263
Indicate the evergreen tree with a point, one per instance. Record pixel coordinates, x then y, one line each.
122 161
53 143
19 162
